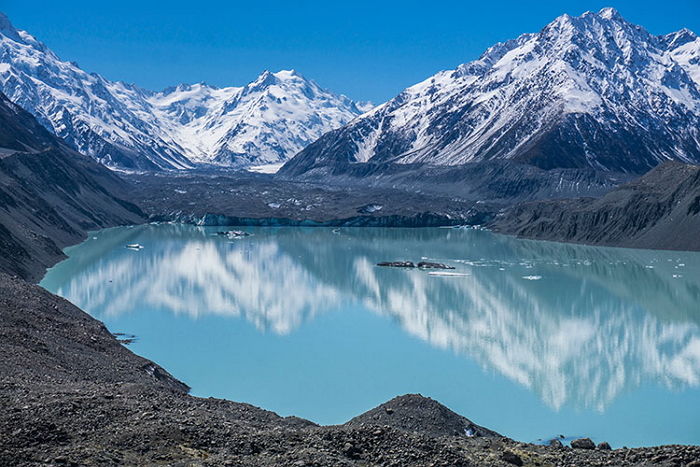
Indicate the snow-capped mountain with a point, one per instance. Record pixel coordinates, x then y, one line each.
593 90
124 126
264 122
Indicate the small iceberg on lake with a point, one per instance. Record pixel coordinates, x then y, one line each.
134 246
233 234
448 274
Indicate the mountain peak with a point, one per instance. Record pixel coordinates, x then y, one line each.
569 96
679 38
265 79
609 13
286 74
268 78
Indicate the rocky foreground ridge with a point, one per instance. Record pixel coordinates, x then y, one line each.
73 395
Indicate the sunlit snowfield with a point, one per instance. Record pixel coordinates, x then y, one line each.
532 339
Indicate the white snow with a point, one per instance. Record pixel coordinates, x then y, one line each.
265 122
266 169
596 64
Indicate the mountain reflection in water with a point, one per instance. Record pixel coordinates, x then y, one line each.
599 322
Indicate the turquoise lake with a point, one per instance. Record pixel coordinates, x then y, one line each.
531 339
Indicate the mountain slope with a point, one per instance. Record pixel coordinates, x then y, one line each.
124 126
50 196
589 91
266 121
661 210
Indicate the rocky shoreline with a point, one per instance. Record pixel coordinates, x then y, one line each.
72 394
660 210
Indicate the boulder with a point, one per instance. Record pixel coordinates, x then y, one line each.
511 458
583 443
555 443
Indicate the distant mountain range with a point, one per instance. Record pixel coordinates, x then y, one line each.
593 91
127 127
589 91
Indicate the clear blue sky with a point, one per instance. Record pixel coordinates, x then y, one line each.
368 50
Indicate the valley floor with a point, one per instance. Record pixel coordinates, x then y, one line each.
73 395
249 199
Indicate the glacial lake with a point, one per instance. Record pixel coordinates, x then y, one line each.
531 339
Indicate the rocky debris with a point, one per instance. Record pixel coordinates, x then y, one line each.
227 199
72 395
369 208
555 443
397 264
660 210
416 413
125 338
583 443
411 264
429 265
233 234
511 458
604 446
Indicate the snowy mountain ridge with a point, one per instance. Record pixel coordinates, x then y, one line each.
587 91
126 127
264 122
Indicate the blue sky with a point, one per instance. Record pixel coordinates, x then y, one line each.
368 50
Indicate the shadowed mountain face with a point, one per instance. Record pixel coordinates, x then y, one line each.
589 91
659 210
49 195
618 319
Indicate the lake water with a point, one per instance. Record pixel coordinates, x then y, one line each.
533 340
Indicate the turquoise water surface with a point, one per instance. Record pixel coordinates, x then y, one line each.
531 339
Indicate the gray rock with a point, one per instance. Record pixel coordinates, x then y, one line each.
555 443
583 443
511 458
397 264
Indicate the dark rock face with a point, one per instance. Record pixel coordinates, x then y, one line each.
604 446
656 211
50 196
414 412
583 443
512 458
